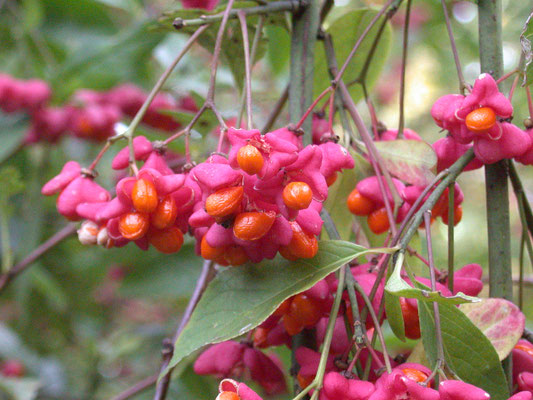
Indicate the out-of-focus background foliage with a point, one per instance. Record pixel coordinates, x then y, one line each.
88 322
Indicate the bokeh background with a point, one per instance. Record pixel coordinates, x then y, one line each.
87 322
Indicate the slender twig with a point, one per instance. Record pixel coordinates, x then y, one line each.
205 277
253 51
339 73
142 111
216 52
319 378
137 388
276 110
438 331
247 69
521 268
375 320
404 69
359 328
293 6
375 159
376 18
529 102
462 83
451 231
518 189
37 253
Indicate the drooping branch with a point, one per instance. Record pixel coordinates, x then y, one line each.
64 233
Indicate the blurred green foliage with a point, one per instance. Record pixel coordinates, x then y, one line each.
82 330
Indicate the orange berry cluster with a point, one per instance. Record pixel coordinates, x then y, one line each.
153 217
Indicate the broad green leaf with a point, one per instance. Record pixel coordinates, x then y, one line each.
397 286
525 41
19 388
239 299
412 161
339 191
467 350
393 310
345 31
501 321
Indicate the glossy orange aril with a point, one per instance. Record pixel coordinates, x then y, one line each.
481 120
457 215
415 375
253 225
235 255
224 201
330 180
410 319
304 381
291 325
297 195
228 396
144 196
302 244
378 221
133 225
167 241
260 337
358 204
283 308
165 214
304 310
209 252
287 254
250 159
525 348
441 206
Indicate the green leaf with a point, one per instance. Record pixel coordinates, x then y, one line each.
525 42
239 299
501 321
412 161
345 31
19 388
339 191
397 286
393 309
467 350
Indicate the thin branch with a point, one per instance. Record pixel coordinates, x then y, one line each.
253 51
293 6
405 46
462 83
451 232
205 277
518 189
137 388
276 110
37 253
216 52
247 69
438 331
